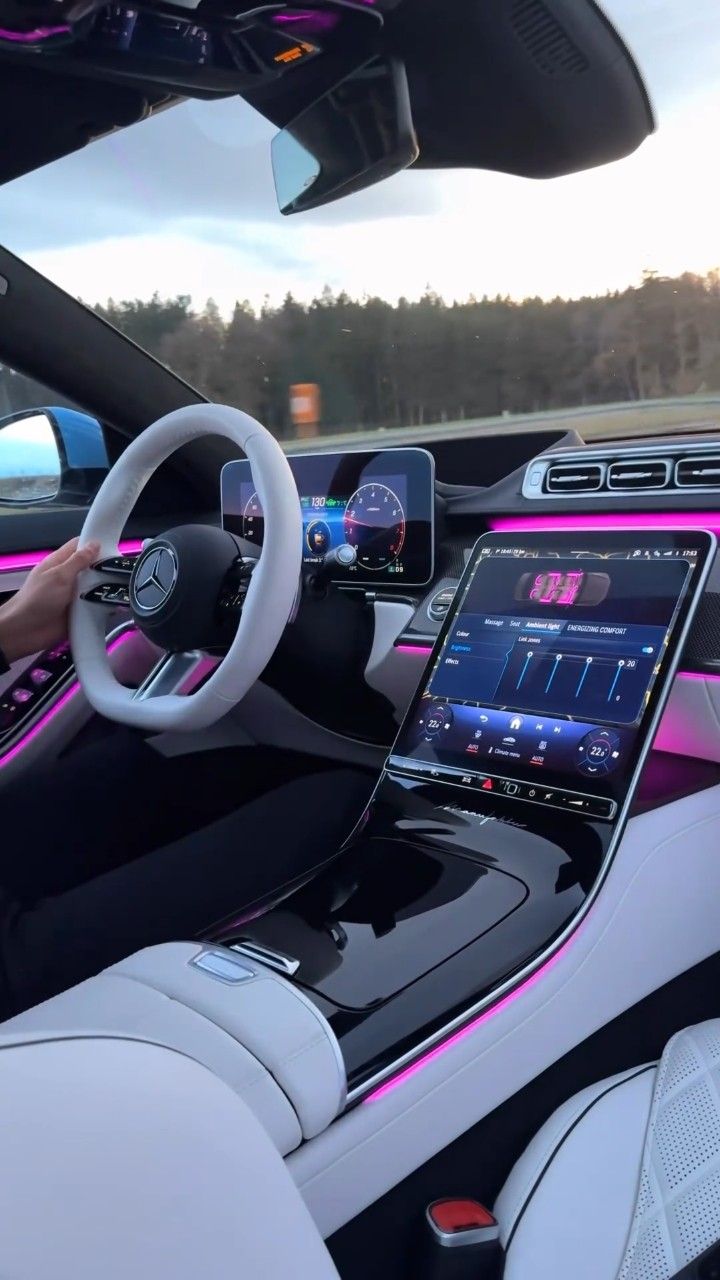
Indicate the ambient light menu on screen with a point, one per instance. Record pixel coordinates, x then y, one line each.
547 666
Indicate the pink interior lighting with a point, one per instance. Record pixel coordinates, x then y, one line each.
606 520
395 1081
205 666
425 649
33 37
310 19
20 560
56 708
696 675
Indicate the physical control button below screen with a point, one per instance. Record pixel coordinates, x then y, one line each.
440 603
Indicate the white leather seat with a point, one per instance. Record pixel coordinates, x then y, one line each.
126 1159
623 1181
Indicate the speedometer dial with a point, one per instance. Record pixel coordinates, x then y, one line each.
374 524
253 521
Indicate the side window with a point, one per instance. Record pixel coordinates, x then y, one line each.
51 452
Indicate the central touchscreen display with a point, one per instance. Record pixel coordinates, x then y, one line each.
381 503
545 676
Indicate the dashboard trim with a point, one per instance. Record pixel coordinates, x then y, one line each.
620 520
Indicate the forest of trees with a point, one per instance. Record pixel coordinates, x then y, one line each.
427 361
379 364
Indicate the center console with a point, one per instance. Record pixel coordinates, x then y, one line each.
503 799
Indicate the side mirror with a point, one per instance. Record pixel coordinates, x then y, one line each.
30 466
51 455
357 134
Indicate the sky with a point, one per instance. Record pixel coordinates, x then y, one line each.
184 203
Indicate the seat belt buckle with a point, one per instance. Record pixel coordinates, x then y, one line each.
462 1242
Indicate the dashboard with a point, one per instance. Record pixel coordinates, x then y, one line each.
379 503
413 547
543 681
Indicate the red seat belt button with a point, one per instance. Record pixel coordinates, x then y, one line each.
456 1217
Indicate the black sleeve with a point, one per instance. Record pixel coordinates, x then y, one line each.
4 664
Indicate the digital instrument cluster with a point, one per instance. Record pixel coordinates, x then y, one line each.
379 503
546 672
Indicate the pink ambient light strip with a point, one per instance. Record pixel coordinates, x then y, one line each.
28 559
35 36
197 675
696 675
432 1054
55 709
625 520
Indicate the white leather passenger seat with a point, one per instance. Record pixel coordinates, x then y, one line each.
126 1159
623 1181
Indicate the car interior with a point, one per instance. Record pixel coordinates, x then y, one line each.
481 1037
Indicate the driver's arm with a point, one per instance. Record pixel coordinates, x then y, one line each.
37 615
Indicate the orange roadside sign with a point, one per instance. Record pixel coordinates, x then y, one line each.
305 407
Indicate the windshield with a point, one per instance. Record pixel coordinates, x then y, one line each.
435 297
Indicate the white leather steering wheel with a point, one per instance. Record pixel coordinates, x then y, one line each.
270 597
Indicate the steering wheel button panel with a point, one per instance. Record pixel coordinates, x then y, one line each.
118 564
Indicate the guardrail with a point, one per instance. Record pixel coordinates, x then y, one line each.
592 422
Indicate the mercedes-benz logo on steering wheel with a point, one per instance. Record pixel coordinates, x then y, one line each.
155 577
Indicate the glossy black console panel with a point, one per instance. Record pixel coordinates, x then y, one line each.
441 897
408 910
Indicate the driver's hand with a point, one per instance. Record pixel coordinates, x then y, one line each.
37 615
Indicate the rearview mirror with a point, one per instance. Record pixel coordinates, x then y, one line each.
357 134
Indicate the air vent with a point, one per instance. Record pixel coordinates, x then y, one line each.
635 470
551 49
698 473
574 477
639 473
